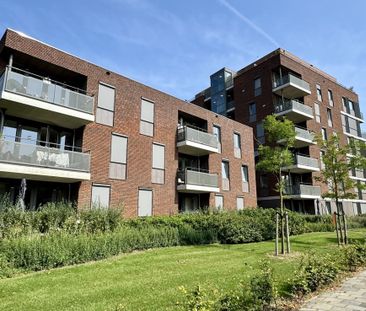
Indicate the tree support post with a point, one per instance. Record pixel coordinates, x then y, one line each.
276 241
287 234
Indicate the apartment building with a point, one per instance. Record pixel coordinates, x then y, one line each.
71 130
282 84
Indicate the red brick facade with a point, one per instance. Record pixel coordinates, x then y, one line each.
97 137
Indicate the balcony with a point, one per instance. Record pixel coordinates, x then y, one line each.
197 181
303 164
290 86
303 138
196 142
302 191
31 161
29 96
357 174
293 110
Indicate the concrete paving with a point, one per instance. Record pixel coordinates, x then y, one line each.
350 296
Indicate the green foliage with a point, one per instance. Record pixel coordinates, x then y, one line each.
337 165
354 256
315 272
258 296
59 249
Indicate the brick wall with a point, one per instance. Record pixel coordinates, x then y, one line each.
97 138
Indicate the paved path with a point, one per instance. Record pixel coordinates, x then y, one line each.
350 296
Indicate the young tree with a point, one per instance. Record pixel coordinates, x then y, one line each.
274 156
338 161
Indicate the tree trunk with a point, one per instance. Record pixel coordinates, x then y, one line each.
339 221
282 224
344 226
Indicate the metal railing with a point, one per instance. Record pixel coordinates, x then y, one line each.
302 189
31 85
289 78
306 161
304 133
293 104
197 178
197 135
35 155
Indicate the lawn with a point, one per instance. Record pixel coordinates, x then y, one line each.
149 280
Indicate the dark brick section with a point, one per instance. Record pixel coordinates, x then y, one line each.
263 68
97 138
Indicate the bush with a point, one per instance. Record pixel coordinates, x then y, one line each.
315 272
354 256
58 249
258 296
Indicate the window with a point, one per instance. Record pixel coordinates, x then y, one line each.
244 173
118 164
105 109
328 207
239 203
219 202
330 119
144 202
225 172
244 178
158 164
147 118
257 87
217 133
319 93
351 106
344 104
324 134
322 154
100 196
263 181
317 112
237 146
260 133
330 98
252 112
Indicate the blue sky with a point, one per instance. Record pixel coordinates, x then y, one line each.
175 45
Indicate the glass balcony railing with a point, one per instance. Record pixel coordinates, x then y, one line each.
289 78
28 84
306 161
26 153
197 178
197 135
304 133
290 105
303 189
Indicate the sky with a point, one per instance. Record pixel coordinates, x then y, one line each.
174 46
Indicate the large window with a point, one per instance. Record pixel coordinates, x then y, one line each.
330 118
105 109
237 145
158 164
319 93
219 202
317 112
240 203
225 172
100 196
252 112
330 98
245 178
260 133
118 164
257 87
145 202
217 133
147 118
324 134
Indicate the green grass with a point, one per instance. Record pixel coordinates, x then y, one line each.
149 280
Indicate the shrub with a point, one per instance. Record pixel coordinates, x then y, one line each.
354 256
315 272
